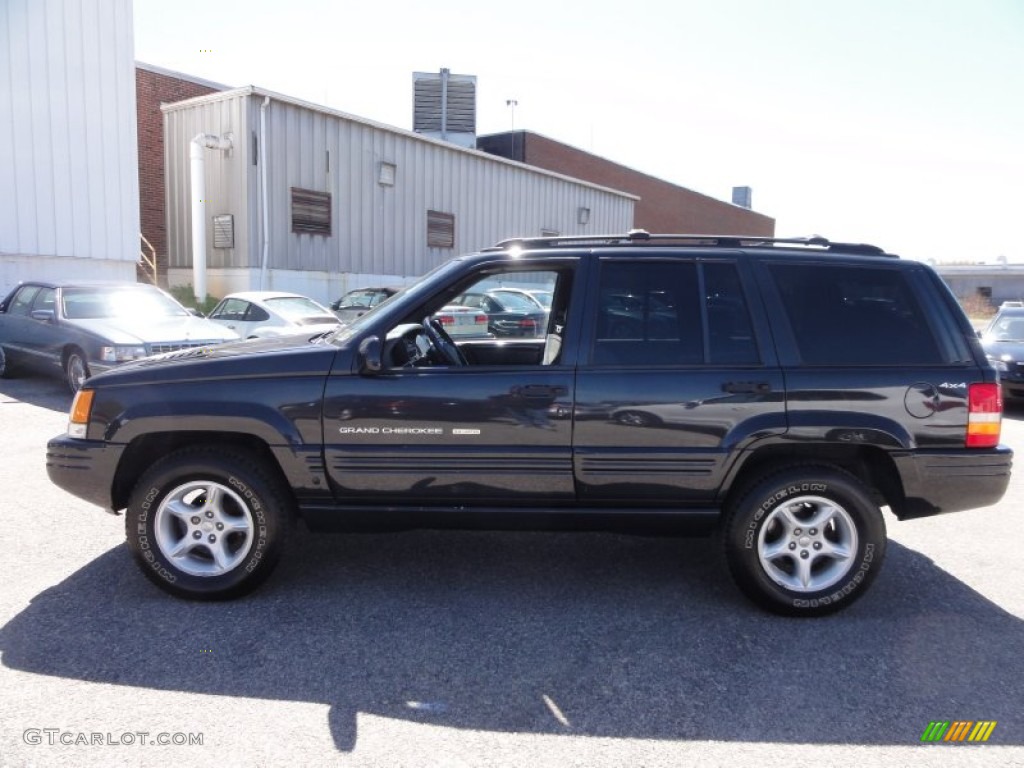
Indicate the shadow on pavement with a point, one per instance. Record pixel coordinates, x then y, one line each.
588 634
36 390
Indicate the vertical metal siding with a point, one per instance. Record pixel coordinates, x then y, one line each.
68 170
229 179
376 229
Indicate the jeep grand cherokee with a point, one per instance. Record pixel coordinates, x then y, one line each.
777 391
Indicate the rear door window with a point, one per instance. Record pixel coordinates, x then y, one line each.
657 313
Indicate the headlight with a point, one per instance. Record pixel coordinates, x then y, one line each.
121 353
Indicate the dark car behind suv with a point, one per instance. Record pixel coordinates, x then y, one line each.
778 391
1003 342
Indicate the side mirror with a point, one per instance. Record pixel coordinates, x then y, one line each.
371 355
195 312
43 315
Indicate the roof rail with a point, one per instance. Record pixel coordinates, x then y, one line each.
642 237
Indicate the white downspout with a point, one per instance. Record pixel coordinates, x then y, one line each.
266 200
198 167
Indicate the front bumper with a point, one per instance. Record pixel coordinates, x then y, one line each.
84 468
935 482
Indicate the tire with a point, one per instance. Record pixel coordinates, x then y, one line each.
76 370
204 546
3 364
806 541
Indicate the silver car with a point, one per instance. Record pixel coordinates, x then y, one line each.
79 329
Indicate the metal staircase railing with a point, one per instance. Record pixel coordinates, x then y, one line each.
147 262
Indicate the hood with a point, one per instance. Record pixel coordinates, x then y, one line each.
280 356
161 330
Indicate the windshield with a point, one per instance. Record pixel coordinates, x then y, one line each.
424 285
1006 329
362 299
297 307
544 297
135 302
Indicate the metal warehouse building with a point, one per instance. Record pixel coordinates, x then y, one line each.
296 196
69 195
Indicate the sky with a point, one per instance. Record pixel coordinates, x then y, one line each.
893 122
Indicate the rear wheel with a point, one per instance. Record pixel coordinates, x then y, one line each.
3 364
76 370
207 525
806 541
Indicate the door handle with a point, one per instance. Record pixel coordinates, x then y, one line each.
747 387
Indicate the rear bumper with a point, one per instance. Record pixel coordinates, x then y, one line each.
83 468
952 481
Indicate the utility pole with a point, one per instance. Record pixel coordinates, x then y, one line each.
512 104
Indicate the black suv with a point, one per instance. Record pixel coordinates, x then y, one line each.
777 391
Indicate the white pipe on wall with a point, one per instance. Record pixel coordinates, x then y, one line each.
198 168
266 196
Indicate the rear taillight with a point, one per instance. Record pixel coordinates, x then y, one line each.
446 319
984 415
481 319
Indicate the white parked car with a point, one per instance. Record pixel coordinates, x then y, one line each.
463 322
257 314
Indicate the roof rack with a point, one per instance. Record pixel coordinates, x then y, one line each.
642 237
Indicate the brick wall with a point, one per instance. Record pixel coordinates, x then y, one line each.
663 207
151 90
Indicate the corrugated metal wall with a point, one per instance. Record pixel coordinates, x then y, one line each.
376 228
68 172
228 182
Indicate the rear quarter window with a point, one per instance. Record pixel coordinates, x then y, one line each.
854 315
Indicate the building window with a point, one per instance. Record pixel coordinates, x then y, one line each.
311 212
440 230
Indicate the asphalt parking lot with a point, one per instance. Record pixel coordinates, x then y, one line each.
492 649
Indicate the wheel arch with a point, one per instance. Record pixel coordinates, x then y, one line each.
142 452
873 466
66 351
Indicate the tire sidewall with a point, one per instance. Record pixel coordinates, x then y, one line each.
752 514
262 505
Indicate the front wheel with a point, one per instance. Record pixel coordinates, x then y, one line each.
805 542
76 370
207 525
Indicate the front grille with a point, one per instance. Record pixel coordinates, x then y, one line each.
159 349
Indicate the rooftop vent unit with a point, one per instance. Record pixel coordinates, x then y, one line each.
741 196
444 106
